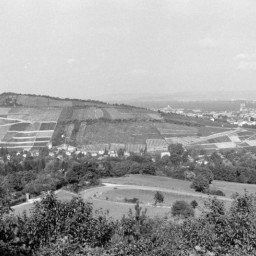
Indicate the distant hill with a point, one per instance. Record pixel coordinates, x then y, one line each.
33 121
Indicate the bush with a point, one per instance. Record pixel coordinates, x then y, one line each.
216 192
194 204
159 197
182 209
132 200
200 183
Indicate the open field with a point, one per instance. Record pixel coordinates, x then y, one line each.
179 185
145 197
111 197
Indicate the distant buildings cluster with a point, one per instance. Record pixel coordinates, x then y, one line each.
245 116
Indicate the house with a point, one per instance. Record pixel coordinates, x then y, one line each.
71 148
127 154
101 152
62 147
51 154
112 153
49 145
165 154
34 153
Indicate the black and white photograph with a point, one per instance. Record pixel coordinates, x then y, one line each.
127 127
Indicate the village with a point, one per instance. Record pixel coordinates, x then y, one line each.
245 116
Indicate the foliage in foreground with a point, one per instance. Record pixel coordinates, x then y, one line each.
73 228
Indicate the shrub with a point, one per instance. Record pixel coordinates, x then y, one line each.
159 197
200 183
132 200
182 209
194 204
216 192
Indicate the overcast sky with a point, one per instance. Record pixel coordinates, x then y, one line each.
91 48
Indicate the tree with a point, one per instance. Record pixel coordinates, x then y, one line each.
194 204
176 149
205 171
200 183
182 209
158 197
120 152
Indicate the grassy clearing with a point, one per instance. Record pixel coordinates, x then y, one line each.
117 210
144 196
228 188
152 181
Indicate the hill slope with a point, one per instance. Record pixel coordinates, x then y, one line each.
31 121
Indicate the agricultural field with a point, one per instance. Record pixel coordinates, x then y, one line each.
154 116
156 145
68 130
3 131
115 114
88 113
4 111
237 138
174 130
47 126
182 140
116 146
34 114
220 139
136 148
4 121
25 134
118 132
81 133
66 114
210 130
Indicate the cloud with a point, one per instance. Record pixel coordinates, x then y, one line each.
245 61
245 56
207 43
247 65
71 61
138 72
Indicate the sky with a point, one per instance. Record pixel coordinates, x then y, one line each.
93 49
